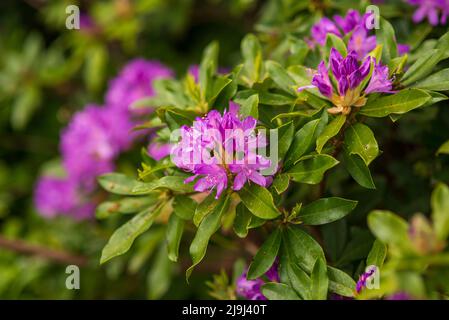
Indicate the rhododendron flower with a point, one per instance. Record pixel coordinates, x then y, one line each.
221 148
158 150
55 196
135 82
431 9
350 76
250 289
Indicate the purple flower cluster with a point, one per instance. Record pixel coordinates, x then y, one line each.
250 289
93 140
219 148
431 9
353 80
354 24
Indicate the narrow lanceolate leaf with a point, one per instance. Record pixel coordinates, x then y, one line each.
312 169
332 41
278 291
184 207
175 228
438 81
299 280
358 170
399 103
388 227
423 66
302 247
173 183
302 142
119 183
360 140
242 220
250 107
285 138
281 182
252 60
126 205
259 201
340 283
330 131
319 279
440 210
326 210
209 225
266 256
122 239
386 37
280 77
204 208
444 148
376 256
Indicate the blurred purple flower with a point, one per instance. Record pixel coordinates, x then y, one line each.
430 9
134 83
250 289
380 81
399 296
361 283
321 29
403 49
159 150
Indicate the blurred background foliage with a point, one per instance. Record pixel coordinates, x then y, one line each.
48 72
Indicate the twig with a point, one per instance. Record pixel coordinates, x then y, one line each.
23 247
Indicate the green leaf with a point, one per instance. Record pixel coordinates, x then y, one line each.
438 81
24 106
423 66
176 118
302 247
280 77
252 60
330 131
444 148
259 201
312 169
299 280
326 210
281 182
160 275
285 138
376 256
386 36
204 208
122 239
173 183
360 140
399 103
440 211
184 207
209 225
358 170
250 107
266 256
278 291
126 205
242 220
302 142
208 66
175 229
118 183
319 279
388 227
340 283
333 41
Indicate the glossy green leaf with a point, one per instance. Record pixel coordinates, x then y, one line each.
340 282
122 239
399 103
252 60
333 41
360 140
438 81
319 280
299 280
242 220
173 183
312 169
330 131
388 227
386 36
204 208
423 66
125 205
302 142
209 225
266 256
250 107
285 138
280 77
259 201
358 170
376 256
440 210
281 182
184 207
175 229
326 210
444 148
278 291
208 66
